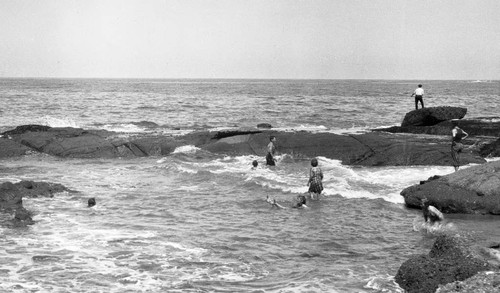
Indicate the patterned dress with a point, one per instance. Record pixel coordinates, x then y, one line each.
315 180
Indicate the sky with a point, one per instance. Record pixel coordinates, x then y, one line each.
268 39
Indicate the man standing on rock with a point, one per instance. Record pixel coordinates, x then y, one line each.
457 134
419 96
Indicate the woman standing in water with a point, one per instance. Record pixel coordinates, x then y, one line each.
315 182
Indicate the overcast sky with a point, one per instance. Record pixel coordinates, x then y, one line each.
330 39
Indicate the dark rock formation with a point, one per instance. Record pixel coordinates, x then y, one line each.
40 189
491 149
474 127
79 143
10 148
11 198
449 260
484 282
371 149
432 116
264 125
472 190
27 128
11 202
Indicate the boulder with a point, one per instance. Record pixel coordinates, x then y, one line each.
264 125
432 116
474 190
484 282
449 260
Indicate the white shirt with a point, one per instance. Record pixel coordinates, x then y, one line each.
419 92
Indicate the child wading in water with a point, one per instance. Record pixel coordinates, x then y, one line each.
315 182
300 202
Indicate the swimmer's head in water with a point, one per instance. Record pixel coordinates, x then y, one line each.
314 162
91 202
302 199
255 163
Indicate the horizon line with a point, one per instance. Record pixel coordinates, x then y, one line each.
235 78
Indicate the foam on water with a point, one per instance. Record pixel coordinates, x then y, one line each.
186 149
123 128
291 176
58 122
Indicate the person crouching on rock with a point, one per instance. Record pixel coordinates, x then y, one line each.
271 149
457 134
431 214
315 182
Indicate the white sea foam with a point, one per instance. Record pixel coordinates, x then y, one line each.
123 128
186 149
58 122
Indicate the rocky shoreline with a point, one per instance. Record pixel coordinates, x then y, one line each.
422 139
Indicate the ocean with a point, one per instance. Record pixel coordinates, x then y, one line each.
195 221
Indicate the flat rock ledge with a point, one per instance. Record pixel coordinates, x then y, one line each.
11 199
369 149
474 190
449 260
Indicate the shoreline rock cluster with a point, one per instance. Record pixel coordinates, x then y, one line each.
396 146
422 139
451 259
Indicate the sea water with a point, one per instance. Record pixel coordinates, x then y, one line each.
195 221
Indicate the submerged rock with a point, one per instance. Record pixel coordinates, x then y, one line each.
11 198
474 190
449 260
29 188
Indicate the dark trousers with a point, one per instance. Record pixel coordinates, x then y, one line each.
270 160
417 99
